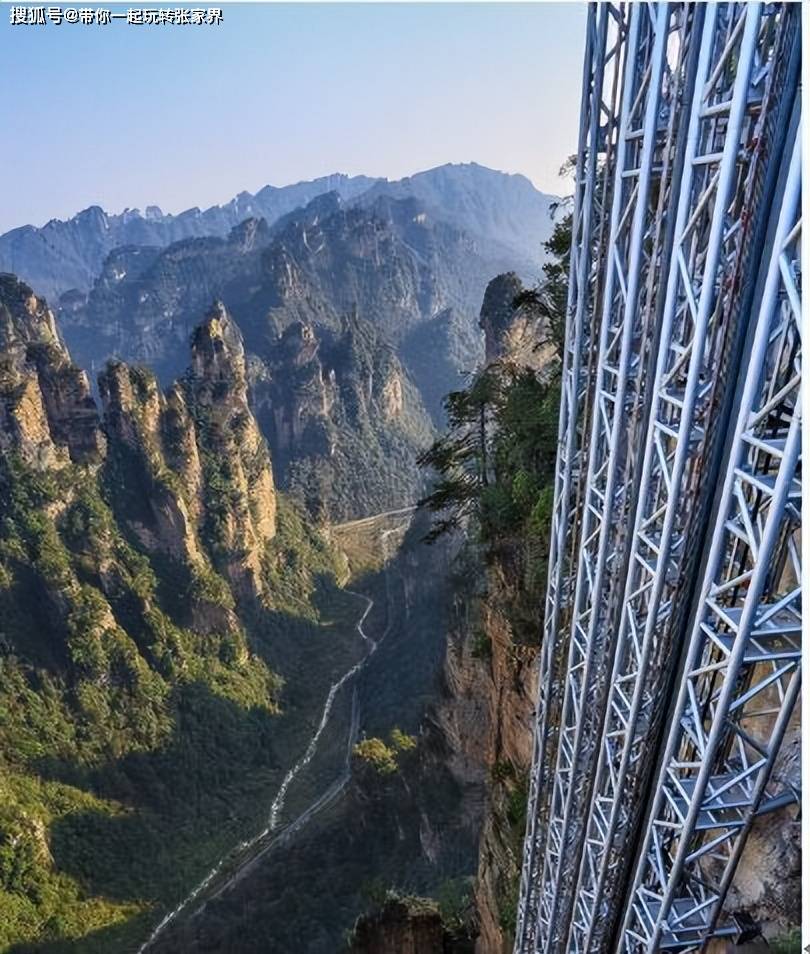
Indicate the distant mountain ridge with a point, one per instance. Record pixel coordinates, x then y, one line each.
69 254
504 208
390 260
324 300
358 308
494 206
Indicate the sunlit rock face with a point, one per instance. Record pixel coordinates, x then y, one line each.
227 430
406 261
47 414
201 453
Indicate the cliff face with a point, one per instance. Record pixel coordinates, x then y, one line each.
343 417
200 456
512 699
47 413
488 716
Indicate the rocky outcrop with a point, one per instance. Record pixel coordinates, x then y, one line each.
24 426
191 472
24 319
516 328
406 926
134 410
47 413
205 468
497 312
401 927
488 716
232 449
69 405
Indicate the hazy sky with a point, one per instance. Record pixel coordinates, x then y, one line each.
181 115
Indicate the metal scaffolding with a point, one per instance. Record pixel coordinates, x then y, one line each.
743 669
605 30
713 235
705 95
617 389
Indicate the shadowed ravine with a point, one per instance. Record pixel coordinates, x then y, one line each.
240 860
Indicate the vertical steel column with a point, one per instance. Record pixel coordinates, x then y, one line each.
618 378
596 129
700 296
635 589
745 645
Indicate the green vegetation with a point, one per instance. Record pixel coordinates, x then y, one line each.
136 747
494 467
299 565
455 900
384 758
373 835
377 754
401 741
788 943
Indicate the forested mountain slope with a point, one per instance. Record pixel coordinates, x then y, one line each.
169 628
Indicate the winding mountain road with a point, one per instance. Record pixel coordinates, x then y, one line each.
247 854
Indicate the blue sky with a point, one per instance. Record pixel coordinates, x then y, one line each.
181 116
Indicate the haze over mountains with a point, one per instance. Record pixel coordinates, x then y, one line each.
62 255
358 300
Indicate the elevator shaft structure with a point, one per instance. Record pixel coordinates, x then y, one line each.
674 557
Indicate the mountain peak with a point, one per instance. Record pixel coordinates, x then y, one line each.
24 318
217 352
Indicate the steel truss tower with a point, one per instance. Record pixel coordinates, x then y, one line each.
743 669
604 45
676 180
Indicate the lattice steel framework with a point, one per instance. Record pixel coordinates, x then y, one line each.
743 670
644 411
728 115
618 390
604 43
